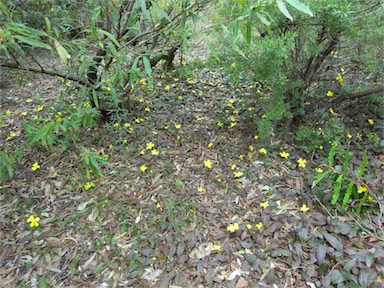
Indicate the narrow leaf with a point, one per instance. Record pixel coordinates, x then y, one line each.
336 190
348 194
331 155
161 11
248 33
335 243
110 36
33 42
263 19
300 6
283 9
64 55
346 160
363 164
319 177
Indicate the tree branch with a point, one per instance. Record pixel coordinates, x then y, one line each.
13 65
355 95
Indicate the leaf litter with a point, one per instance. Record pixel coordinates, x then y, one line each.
167 226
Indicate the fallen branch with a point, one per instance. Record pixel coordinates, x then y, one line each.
13 65
355 95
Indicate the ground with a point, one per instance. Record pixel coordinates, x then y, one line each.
183 202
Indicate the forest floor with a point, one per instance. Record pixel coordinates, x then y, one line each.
184 202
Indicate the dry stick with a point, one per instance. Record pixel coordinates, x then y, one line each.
43 71
355 95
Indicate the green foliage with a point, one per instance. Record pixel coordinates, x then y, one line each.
64 127
7 162
348 184
91 161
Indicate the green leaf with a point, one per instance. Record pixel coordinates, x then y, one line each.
4 9
319 177
363 164
48 24
110 36
300 6
348 193
161 11
283 9
346 160
64 55
336 190
248 33
331 155
33 42
263 19
148 70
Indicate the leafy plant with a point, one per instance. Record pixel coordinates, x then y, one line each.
91 161
7 164
347 185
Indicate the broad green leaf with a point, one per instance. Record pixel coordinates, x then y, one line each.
300 6
283 9
33 42
148 70
336 190
348 193
331 155
110 36
319 177
363 164
64 55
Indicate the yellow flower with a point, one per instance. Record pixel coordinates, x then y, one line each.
35 166
263 151
155 152
11 135
208 163
126 125
249 226
116 125
370 198
24 113
150 145
233 227
238 174
142 152
89 185
349 136
241 157
321 147
219 180
33 221
147 109
29 100
177 126
259 225
216 247
302 162
251 148
8 112
370 121
362 189
200 189
319 170
167 88
330 93
264 116
158 206
256 137
359 136
236 112
143 168
233 65
304 208
264 204
210 145
233 124
220 124
284 155
233 167
331 111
